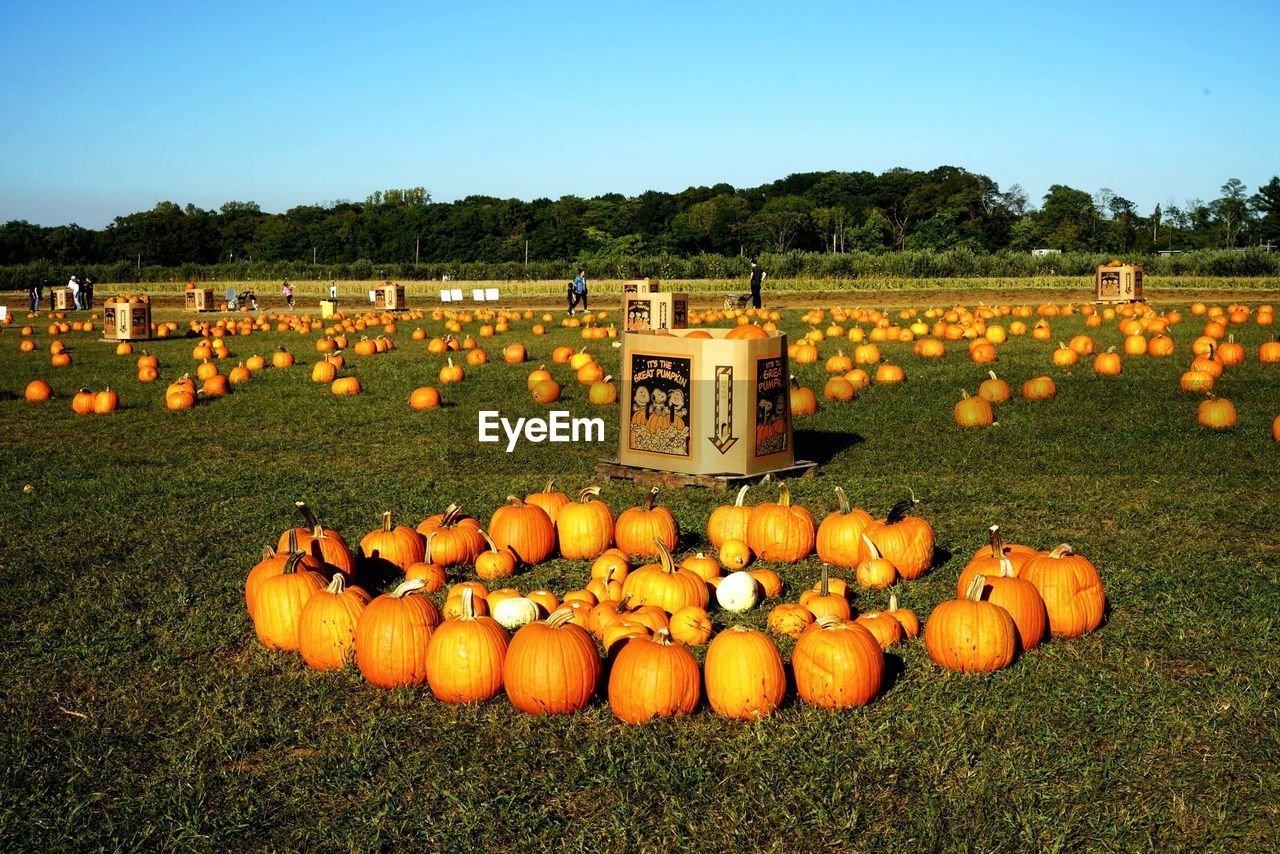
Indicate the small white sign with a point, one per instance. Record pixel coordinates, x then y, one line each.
491 294
457 294
4 313
445 296
373 297
477 294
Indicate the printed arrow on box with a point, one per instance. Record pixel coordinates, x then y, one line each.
724 438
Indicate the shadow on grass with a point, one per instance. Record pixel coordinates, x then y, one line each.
822 447
894 668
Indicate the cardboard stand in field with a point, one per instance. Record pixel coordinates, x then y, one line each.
328 308
62 300
126 319
389 297
641 286
642 311
704 411
198 299
1117 282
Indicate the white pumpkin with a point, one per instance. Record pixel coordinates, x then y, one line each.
738 591
513 613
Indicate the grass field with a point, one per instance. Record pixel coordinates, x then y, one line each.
140 710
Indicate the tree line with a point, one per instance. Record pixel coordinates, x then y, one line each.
944 210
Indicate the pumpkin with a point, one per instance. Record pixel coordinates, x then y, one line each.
1039 388
425 397
885 629
970 635
391 545
746 331
989 560
653 677
1216 413
744 674
393 634
780 533
327 626
690 625
549 500
907 619
272 563
432 575
838 388
875 571
664 584
790 619
905 541
734 555
546 392
994 389
1071 589
1107 364
496 562
603 392
837 665
280 599
729 521
551 666
282 358
770 582
704 567
840 533
973 411
465 656
737 592
345 386
887 373
37 391
1021 599
452 538
824 600
525 529
585 527
803 400
513 612
612 564
638 527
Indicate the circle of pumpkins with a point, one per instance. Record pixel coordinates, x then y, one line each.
548 652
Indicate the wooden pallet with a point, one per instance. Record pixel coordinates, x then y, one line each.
612 469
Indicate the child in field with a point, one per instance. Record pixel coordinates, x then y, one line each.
288 294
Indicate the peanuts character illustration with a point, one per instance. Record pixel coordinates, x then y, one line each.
640 406
659 412
678 409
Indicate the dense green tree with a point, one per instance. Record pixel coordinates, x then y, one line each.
1266 203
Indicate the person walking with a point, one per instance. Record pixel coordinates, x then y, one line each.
757 279
35 292
578 290
288 293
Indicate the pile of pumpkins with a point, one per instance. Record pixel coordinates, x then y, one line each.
548 652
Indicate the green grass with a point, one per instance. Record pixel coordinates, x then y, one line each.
139 709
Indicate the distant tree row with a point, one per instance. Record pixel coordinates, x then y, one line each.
944 209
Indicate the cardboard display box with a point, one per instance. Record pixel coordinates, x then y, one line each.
199 299
655 311
641 286
126 321
389 298
705 405
62 300
328 308
1116 282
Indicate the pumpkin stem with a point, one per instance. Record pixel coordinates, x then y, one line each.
293 541
492 546
515 501
550 485
893 601
964 395
826 586
653 495
1062 551
662 637
742 493
875 551
386 521
974 592
338 584
268 552
608 379
307 515
291 565
560 617
590 492
992 374
468 604
784 495
407 587
827 621
795 383
844 501
1006 568
997 545
668 564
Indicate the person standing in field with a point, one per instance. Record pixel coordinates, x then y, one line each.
35 292
757 279
578 294
333 291
288 293
73 285
86 292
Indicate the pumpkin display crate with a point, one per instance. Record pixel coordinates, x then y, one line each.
655 311
62 299
705 405
1117 282
199 299
641 286
328 308
126 319
390 297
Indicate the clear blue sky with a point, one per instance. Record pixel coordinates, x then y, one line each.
107 108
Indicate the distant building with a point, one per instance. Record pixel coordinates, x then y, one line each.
1040 253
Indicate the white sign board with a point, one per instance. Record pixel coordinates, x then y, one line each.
445 296
4 313
491 294
477 294
373 297
457 294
